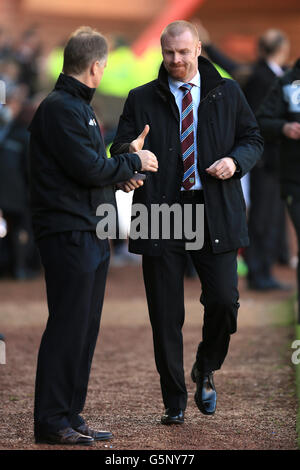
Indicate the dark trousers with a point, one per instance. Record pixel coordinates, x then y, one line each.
266 224
294 211
164 284
75 266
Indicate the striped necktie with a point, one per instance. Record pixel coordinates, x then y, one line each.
187 137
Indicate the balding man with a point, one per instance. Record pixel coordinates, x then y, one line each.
205 138
267 212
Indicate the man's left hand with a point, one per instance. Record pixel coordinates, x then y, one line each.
130 185
222 169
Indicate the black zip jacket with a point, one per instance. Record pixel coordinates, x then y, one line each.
70 174
226 127
282 105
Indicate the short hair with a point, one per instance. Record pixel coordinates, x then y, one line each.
178 27
84 46
270 42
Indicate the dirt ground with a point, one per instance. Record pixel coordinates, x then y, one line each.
257 404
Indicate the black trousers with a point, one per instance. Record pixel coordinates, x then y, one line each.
267 225
75 266
164 284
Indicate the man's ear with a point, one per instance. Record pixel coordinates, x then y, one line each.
199 48
93 68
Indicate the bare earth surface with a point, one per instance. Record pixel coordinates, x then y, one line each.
256 391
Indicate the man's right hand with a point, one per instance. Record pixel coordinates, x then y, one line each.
148 160
138 143
292 130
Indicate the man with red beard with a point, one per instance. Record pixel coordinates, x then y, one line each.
206 138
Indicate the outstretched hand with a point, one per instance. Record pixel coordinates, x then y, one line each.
130 185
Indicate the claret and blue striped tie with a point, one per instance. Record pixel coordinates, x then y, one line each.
187 137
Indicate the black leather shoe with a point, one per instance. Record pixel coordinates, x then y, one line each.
173 416
66 436
96 435
206 395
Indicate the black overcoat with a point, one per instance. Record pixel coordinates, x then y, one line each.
226 127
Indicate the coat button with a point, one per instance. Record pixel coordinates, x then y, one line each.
156 244
164 196
170 149
213 96
216 240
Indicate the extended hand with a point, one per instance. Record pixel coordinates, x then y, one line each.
222 169
148 160
292 130
138 143
130 185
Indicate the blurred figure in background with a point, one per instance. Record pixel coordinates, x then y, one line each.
279 118
5 43
19 71
22 259
267 218
267 227
27 53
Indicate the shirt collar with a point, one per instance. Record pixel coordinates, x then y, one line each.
175 84
276 69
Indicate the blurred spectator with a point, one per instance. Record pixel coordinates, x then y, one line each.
5 43
279 118
240 72
267 220
23 261
27 53
19 69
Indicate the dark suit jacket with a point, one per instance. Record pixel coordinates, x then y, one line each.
256 88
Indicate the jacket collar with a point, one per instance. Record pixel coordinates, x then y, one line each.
297 66
210 77
74 87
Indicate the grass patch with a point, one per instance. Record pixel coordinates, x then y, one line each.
297 368
283 313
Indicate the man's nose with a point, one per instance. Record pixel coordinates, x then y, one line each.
176 58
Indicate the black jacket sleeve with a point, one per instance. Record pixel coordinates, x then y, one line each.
271 113
249 143
72 147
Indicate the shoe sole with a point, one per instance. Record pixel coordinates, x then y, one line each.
103 438
172 422
65 443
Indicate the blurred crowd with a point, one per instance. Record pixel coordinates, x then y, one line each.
20 70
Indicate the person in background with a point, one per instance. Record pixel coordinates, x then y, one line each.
23 260
279 119
267 216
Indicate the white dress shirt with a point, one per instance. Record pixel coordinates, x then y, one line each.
276 69
178 95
